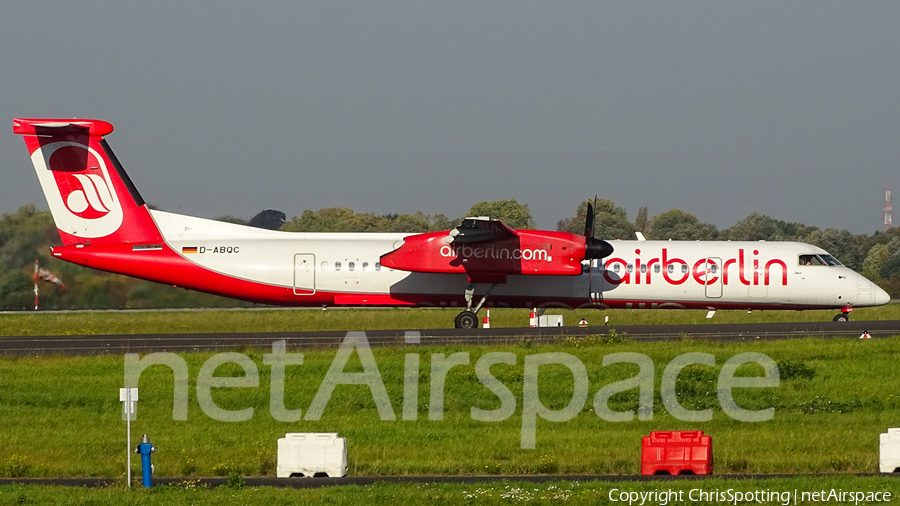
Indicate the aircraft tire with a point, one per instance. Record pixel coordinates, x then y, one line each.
843 317
466 320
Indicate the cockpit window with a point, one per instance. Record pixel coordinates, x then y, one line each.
809 260
818 260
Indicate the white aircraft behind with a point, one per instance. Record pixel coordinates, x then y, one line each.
104 224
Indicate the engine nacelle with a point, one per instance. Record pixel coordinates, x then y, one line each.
530 252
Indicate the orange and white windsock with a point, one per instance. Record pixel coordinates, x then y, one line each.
49 276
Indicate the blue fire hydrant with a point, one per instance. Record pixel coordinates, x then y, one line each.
145 449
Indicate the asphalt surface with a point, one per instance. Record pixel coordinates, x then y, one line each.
149 343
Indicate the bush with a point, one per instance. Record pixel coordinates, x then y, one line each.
791 369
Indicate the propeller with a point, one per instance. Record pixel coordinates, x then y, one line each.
594 248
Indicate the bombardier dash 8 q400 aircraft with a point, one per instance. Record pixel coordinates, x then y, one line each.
104 223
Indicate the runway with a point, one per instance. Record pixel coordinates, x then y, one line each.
148 343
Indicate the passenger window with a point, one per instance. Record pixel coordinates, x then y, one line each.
644 268
684 268
616 268
629 268
713 268
365 266
377 266
351 265
337 266
656 268
671 269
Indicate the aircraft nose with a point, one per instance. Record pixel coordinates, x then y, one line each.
881 297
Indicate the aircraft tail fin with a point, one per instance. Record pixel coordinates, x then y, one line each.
89 194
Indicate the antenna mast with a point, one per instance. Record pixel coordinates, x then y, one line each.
888 211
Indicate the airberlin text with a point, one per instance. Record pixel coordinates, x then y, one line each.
493 252
531 408
749 269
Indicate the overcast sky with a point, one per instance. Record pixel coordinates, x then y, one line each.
790 109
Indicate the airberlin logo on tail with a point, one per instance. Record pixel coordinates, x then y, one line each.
493 252
76 180
94 196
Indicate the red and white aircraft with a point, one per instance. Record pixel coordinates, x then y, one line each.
104 223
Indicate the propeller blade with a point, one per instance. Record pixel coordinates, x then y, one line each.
589 220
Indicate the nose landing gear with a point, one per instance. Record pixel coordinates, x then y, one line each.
844 316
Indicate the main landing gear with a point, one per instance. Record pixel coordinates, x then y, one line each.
468 319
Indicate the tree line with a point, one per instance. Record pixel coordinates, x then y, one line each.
27 235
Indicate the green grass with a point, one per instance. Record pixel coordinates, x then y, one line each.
590 493
61 415
184 321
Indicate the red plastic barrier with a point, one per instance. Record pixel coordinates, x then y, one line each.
676 452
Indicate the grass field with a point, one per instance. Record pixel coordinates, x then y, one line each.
61 415
502 493
280 320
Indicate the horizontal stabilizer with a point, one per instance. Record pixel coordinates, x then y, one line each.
89 127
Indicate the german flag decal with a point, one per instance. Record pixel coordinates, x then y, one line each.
186 250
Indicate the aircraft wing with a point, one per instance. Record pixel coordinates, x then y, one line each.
480 229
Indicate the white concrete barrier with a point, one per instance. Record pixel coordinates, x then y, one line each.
889 451
308 453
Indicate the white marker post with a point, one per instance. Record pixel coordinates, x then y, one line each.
129 396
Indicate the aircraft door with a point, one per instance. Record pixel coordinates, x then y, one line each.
712 277
304 274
